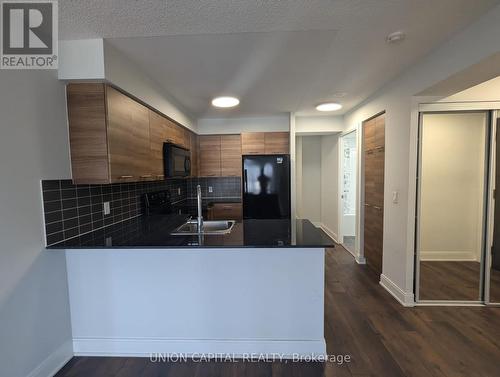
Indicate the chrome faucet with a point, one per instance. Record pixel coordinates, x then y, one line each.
200 217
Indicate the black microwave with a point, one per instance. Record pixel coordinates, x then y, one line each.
177 161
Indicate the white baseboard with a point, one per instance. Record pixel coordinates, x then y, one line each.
328 231
456 256
143 347
54 362
360 259
404 298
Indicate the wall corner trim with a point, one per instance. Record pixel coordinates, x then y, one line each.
54 362
404 298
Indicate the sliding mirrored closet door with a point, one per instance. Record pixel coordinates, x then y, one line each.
493 257
451 210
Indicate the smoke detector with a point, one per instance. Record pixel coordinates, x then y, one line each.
395 37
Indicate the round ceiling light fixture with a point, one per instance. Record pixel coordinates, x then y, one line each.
395 37
329 106
225 102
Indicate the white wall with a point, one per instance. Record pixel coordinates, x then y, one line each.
35 330
330 184
486 91
95 59
473 44
194 301
319 125
298 177
452 184
310 207
124 74
207 126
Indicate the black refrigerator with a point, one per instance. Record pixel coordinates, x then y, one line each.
266 187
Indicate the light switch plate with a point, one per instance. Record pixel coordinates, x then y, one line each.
178 191
210 189
395 197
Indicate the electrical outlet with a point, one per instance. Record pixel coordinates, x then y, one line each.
109 241
210 189
178 191
106 208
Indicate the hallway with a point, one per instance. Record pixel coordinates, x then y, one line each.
362 320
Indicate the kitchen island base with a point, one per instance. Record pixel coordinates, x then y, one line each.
138 302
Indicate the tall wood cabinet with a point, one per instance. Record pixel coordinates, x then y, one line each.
374 156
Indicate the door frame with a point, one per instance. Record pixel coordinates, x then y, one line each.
488 215
354 252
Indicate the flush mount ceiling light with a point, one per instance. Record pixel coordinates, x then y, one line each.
395 37
225 102
329 106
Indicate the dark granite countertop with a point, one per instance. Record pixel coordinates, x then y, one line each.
154 232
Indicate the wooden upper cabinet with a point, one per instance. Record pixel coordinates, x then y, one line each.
194 148
128 138
209 156
87 133
277 142
114 138
253 143
265 142
231 155
158 131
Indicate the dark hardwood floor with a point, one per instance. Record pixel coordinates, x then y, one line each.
362 320
451 280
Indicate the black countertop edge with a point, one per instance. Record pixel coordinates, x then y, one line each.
153 232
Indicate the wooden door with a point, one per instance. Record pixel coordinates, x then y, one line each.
374 156
128 138
231 155
253 143
277 142
209 156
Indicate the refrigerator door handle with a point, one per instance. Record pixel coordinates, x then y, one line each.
245 180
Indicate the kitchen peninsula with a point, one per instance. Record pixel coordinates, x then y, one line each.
135 289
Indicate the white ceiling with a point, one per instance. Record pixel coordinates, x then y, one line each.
275 55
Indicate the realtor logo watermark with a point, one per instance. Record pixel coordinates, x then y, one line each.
29 34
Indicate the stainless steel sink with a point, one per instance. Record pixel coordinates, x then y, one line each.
209 227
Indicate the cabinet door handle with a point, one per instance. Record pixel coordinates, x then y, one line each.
126 176
146 176
377 208
367 205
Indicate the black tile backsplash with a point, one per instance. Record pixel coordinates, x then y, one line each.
72 210
221 187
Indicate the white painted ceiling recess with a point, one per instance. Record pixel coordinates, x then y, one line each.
275 56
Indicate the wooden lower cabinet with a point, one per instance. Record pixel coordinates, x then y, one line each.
225 211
